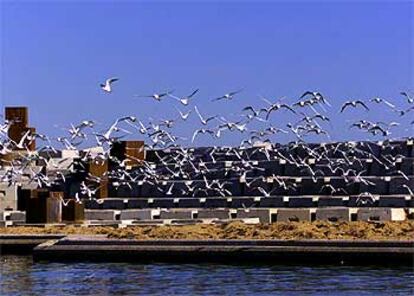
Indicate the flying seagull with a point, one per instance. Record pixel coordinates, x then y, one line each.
353 104
156 96
227 96
186 99
107 86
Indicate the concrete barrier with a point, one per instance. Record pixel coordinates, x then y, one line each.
100 215
264 215
177 214
210 214
293 215
139 214
15 216
381 214
334 214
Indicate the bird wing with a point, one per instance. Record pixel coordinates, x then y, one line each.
235 92
362 104
193 93
111 80
306 93
345 105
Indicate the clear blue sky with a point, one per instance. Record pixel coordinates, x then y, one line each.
54 55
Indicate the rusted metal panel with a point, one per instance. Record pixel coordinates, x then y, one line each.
19 115
132 151
73 211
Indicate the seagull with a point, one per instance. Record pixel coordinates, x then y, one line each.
317 96
156 96
107 86
380 100
353 104
184 100
227 96
201 131
410 99
203 121
183 116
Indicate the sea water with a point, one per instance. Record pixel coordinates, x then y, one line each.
19 275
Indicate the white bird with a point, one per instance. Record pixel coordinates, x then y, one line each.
183 116
381 100
353 104
227 96
184 100
203 121
156 96
107 86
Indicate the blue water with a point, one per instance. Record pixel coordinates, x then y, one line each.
20 276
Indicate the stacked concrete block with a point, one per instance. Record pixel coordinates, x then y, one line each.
294 215
177 214
139 214
8 197
334 214
14 216
264 215
381 214
213 214
100 215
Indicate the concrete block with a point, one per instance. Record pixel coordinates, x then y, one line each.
333 214
242 202
300 202
210 214
392 202
17 216
330 202
177 214
215 203
271 202
189 203
116 204
264 215
290 215
381 214
137 203
8 197
166 203
144 214
100 215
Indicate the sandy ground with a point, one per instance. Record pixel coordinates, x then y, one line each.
237 230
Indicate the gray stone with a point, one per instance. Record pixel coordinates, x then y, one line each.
290 215
100 215
381 214
264 215
17 216
176 214
333 214
211 214
138 214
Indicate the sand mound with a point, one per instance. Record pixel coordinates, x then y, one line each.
237 230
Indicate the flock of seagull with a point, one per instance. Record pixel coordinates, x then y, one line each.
255 124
